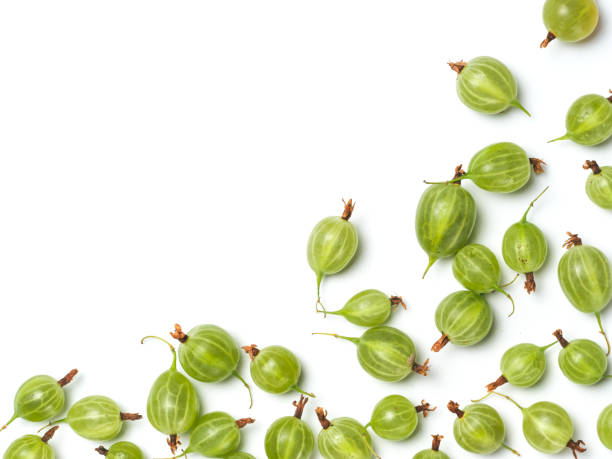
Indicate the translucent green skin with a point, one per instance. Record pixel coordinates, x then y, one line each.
589 120
289 438
38 399
464 317
367 308
524 247
331 246
239 455
445 218
599 187
477 268
430 454
29 447
210 354
501 167
275 369
215 435
124 450
585 278
547 427
394 418
96 418
571 20
604 427
481 430
523 365
582 361
487 86
386 353
345 439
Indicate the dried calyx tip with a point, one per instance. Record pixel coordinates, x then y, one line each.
299 406
251 350
495 384
459 172
173 442
244 422
49 434
537 165
573 240
438 345
130 416
593 166
454 408
550 37
101 450
425 408
435 444
178 334
396 302
457 66
348 209
422 370
68 378
576 447
322 415
530 284
559 335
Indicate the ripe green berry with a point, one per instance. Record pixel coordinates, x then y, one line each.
445 218
343 438
588 120
464 318
582 361
599 184
40 398
604 427
275 369
586 279
434 452
478 428
332 245
386 353
522 365
289 437
486 85
524 248
368 308
569 20
477 269
121 450
173 406
395 418
32 447
209 354
547 427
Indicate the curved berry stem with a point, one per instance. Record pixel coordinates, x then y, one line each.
347 338
300 391
241 379
602 331
545 348
173 366
563 137
432 260
507 284
9 422
512 450
507 296
501 395
515 103
530 206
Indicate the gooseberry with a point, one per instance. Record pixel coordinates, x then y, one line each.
485 85
604 427
239 455
585 278
588 120
368 308
524 247
121 450
343 438
386 353
569 20
275 369
32 447
599 184
209 354
464 318
445 218
289 437
434 452
395 418
40 398
582 361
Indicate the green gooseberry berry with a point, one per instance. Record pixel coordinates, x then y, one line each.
239 455
173 406
588 120
40 398
289 437
368 308
599 184
522 365
478 428
97 418
604 427
477 269
464 318
32 447
395 418
582 361
121 450
569 20
216 434
547 427
332 245
343 438
524 247
586 279
275 369
445 218
386 353
434 452
209 354
486 85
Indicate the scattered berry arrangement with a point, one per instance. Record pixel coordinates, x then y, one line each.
445 219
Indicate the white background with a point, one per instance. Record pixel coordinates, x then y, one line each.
165 162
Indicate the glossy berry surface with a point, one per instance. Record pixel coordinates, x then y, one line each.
369 308
599 185
582 361
216 434
588 120
395 418
434 452
604 427
522 365
570 20
343 438
31 447
478 428
121 450
239 455
289 437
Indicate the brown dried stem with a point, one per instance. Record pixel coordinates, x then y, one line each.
537 165
550 37
421 369
251 350
559 335
438 345
459 172
576 447
244 422
573 240
322 415
101 450
174 443
68 378
425 408
348 209
130 416
396 302
530 284
497 383
49 434
435 444
299 406
457 66
178 334
454 408
593 166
